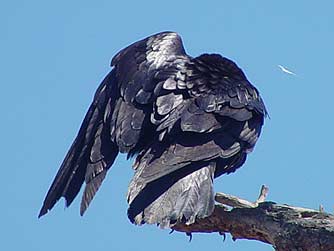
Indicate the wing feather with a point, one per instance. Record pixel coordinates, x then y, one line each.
87 156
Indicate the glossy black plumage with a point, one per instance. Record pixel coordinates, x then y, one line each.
187 119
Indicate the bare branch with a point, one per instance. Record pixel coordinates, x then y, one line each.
285 227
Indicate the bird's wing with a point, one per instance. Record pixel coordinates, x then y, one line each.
140 71
90 155
117 120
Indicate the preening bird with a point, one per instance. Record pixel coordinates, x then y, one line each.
187 120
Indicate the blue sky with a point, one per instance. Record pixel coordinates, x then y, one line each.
55 53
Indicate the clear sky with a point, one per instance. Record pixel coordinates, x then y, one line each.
53 55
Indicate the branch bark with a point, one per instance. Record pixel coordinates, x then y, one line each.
286 228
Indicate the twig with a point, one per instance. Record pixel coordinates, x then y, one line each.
236 202
263 194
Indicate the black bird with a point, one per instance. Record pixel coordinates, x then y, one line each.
187 120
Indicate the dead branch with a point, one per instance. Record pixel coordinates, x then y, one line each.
285 227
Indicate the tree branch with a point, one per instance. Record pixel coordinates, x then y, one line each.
285 227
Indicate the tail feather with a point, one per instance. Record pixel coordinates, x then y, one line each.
89 158
181 196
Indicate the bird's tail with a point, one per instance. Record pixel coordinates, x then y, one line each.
180 196
90 156
173 181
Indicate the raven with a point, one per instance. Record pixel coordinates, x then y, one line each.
186 119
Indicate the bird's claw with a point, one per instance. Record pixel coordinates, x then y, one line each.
190 236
